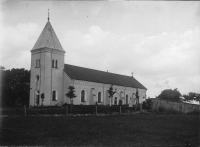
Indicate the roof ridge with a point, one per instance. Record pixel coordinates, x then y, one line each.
99 70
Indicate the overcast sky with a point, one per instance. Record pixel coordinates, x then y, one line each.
159 41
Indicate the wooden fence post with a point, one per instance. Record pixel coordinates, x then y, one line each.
66 110
96 109
24 110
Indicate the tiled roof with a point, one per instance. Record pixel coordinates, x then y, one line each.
86 74
48 39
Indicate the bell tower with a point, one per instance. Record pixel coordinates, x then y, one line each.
47 64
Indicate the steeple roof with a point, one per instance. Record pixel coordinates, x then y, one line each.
48 39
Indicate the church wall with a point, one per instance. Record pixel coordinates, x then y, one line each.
49 78
79 88
91 93
142 95
67 83
46 76
57 78
92 90
34 85
44 72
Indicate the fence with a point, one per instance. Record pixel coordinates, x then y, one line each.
76 109
174 106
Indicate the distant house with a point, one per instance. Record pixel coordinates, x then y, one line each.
51 76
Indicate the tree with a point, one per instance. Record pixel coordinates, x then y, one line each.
192 96
71 94
111 92
2 67
137 95
137 98
15 86
170 95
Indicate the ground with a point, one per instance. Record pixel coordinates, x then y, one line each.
113 130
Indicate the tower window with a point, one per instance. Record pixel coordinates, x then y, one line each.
55 63
37 63
37 78
54 95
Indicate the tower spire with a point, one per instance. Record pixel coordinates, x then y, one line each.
48 15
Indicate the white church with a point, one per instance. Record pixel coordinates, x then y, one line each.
52 77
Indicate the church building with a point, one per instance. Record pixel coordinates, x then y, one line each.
51 77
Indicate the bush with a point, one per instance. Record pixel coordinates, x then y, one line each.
161 109
136 108
194 112
144 105
148 104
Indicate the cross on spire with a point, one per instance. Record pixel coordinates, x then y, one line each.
132 74
48 15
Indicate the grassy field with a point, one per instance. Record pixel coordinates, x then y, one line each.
114 130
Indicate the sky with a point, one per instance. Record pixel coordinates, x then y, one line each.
159 41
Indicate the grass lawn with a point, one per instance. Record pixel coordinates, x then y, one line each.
117 130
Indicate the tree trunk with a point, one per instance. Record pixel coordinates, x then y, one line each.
71 108
96 109
66 110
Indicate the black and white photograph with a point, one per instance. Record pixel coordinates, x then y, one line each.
100 73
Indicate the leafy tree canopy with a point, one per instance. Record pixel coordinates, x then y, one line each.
15 86
2 67
192 96
111 92
170 95
71 92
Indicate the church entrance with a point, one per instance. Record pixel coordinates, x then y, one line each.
38 100
37 97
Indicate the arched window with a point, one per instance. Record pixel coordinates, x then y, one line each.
54 96
83 96
37 63
52 63
37 97
127 99
37 78
99 97
115 101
